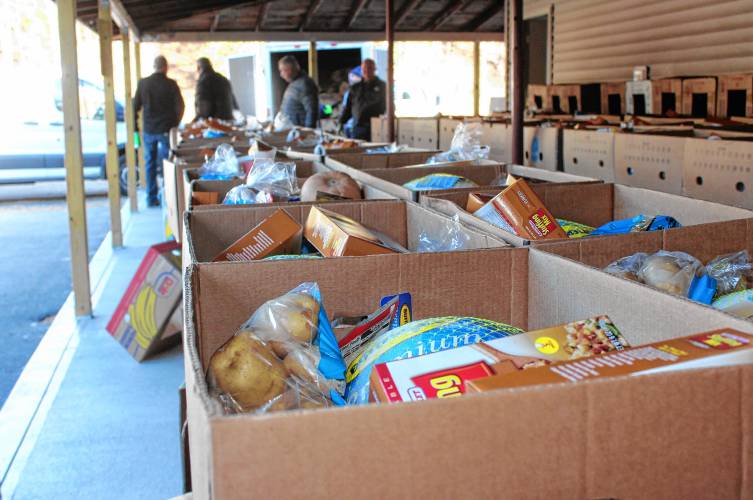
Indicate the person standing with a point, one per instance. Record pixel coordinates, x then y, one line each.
300 102
214 94
366 99
163 107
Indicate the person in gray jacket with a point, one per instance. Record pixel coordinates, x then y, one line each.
300 102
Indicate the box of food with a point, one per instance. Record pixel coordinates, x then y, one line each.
717 348
595 204
148 318
205 198
444 374
335 235
519 210
277 234
363 161
653 415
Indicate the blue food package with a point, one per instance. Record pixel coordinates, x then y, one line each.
636 224
416 339
702 289
438 181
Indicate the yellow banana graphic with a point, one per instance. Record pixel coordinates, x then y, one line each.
142 316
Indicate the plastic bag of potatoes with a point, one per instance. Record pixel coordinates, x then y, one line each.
284 357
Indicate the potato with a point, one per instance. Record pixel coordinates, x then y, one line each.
290 319
663 272
246 369
302 363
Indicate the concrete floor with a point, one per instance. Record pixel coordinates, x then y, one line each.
85 419
35 234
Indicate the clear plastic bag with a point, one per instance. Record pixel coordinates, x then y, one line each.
245 195
671 272
733 272
392 148
627 267
281 122
449 239
223 165
284 357
466 145
278 179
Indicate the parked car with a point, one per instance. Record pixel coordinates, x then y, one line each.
32 144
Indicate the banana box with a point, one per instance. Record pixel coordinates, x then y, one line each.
148 317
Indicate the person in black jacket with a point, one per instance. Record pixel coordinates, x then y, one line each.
163 107
214 94
366 99
300 102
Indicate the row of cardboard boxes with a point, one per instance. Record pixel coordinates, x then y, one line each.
668 430
705 163
725 96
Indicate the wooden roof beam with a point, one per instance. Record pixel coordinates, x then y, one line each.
474 24
446 13
313 7
358 6
409 7
262 13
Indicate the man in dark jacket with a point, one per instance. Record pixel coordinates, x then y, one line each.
160 98
366 99
214 94
300 102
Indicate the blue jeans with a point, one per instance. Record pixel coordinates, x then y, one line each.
157 148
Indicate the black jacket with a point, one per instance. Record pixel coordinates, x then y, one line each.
300 102
365 100
163 105
214 97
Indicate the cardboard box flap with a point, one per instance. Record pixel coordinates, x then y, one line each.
363 161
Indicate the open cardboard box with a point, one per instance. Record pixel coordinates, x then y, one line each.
211 231
655 436
391 180
365 161
303 168
704 242
595 204
173 195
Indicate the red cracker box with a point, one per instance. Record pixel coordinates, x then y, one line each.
146 320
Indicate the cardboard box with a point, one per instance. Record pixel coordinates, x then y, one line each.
735 97
498 136
379 129
666 96
565 98
519 210
403 222
447 126
699 97
335 235
649 161
719 170
542 147
247 455
362 161
538 97
589 153
389 181
174 195
595 204
613 98
444 374
639 98
705 242
418 132
718 348
190 176
148 317
278 234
